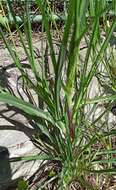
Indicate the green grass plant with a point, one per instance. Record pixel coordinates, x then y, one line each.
66 134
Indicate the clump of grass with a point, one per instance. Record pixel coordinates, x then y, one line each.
66 134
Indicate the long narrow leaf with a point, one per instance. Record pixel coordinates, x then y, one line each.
107 161
25 106
45 17
100 99
41 156
62 53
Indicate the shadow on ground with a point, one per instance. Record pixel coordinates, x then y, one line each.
5 170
